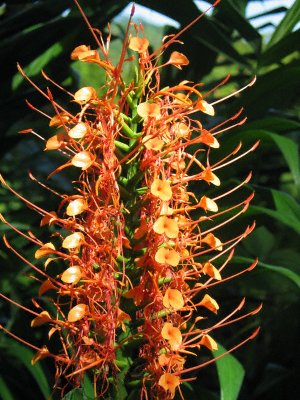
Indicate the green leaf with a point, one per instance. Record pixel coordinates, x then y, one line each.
75 394
231 374
275 89
288 147
287 210
290 151
240 23
281 49
88 387
286 26
207 31
4 390
291 275
25 356
272 124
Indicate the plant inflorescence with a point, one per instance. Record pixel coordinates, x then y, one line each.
138 247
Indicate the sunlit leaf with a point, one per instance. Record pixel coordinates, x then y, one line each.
287 24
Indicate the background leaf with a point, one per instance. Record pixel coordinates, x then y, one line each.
231 374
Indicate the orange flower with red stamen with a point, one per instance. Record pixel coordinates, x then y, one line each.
169 382
172 335
168 256
173 299
167 226
161 189
136 247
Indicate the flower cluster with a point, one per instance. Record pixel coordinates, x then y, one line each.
138 247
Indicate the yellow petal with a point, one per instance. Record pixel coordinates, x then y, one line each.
49 218
173 299
169 382
84 53
161 189
138 44
208 139
47 248
211 271
147 110
208 204
78 131
73 241
208 176
77 312
41 319
59 120
181 129
178 59
57 141
172 335
168 226
213 242
209 342
42 353
83 160
72 274
76 207
78 50
85 94
205 107
155 144
167 256
209 303
45 286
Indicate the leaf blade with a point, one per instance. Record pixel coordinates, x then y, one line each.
231 374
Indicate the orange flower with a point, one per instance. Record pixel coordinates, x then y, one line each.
167 256
173 299
181 129
46 249
85 94
172 335
83 160
49 218
76 207
84 53
208 204
178 59
209 303
72 274
77 312
203 106
59 119
169 382
154 143
57 141
208 139
42 353
138 44
161 189
78 131
208 176
209 342
146 110
213 242
211 271
73 241
168 226
41 319
171 360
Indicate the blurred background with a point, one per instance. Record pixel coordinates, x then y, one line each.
241 37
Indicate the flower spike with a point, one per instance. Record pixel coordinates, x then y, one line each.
139 241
